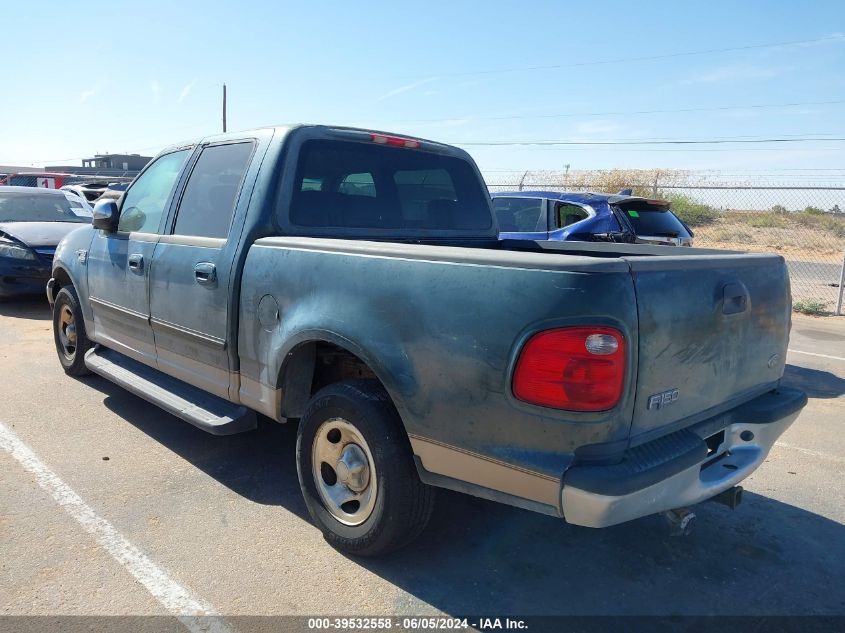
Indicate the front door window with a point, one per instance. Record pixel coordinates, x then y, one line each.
144 202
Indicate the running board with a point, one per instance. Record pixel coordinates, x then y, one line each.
205 411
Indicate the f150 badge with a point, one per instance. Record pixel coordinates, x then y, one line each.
660 400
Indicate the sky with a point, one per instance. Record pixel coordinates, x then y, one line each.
133 77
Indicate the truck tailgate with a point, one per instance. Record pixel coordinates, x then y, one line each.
713 332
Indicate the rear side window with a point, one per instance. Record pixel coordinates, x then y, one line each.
651 219
520 214
372 188
209 200
570 214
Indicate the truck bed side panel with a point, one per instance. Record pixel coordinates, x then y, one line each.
441 327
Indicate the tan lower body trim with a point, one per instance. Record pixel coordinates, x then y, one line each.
473 468
263 398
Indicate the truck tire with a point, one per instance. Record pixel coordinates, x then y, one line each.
69 332
356 470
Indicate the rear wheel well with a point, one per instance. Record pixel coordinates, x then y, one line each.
313 365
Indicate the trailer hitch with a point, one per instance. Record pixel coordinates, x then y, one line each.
680 521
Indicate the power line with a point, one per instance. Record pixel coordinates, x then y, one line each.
644 149
621 113
739 137
646 142
622 60
702 175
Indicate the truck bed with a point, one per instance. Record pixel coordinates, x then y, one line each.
442 325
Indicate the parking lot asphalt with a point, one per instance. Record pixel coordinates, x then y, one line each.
111 506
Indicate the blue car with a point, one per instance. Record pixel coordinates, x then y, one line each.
588 217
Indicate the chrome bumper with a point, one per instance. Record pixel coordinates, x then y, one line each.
744 447
50 298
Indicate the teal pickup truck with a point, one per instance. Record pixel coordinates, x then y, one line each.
353 281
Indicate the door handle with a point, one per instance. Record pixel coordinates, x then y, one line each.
205 273
136 263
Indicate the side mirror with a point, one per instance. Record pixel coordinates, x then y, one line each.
106 215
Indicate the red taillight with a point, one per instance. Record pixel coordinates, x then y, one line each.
573 368
396 141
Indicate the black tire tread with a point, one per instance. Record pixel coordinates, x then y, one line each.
76 368
411 501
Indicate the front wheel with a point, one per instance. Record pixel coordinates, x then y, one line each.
356 470
69 332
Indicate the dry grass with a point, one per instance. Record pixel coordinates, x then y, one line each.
804 237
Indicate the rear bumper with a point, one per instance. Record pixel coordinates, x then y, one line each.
680 469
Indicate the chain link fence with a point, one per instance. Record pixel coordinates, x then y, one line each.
51 180
803 221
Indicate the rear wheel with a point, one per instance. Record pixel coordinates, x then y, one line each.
69 332
356 470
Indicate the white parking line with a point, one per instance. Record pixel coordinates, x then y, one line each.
195 613
798 351
808 451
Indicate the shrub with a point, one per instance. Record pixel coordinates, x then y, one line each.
834 225
692 212
813 211
814 307
779 209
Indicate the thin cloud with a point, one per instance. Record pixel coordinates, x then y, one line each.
87 94
446 123
739 114
185 92
403 89
155 88
734 73
597 127
837 37
471 83
588 131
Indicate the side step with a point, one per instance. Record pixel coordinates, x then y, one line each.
202 409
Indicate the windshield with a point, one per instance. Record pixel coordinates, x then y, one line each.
648 218
37 207
79 206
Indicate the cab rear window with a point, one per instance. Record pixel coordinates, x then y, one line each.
647 218
374 188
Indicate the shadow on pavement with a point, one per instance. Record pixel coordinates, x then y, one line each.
767 557
29 308
814 382
478 557
259 465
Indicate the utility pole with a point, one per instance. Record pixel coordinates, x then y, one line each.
224 108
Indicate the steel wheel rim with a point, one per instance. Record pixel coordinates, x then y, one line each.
344 472
67 332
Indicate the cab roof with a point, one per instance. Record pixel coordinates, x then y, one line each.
284 130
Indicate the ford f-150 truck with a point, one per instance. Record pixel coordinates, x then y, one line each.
353 281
